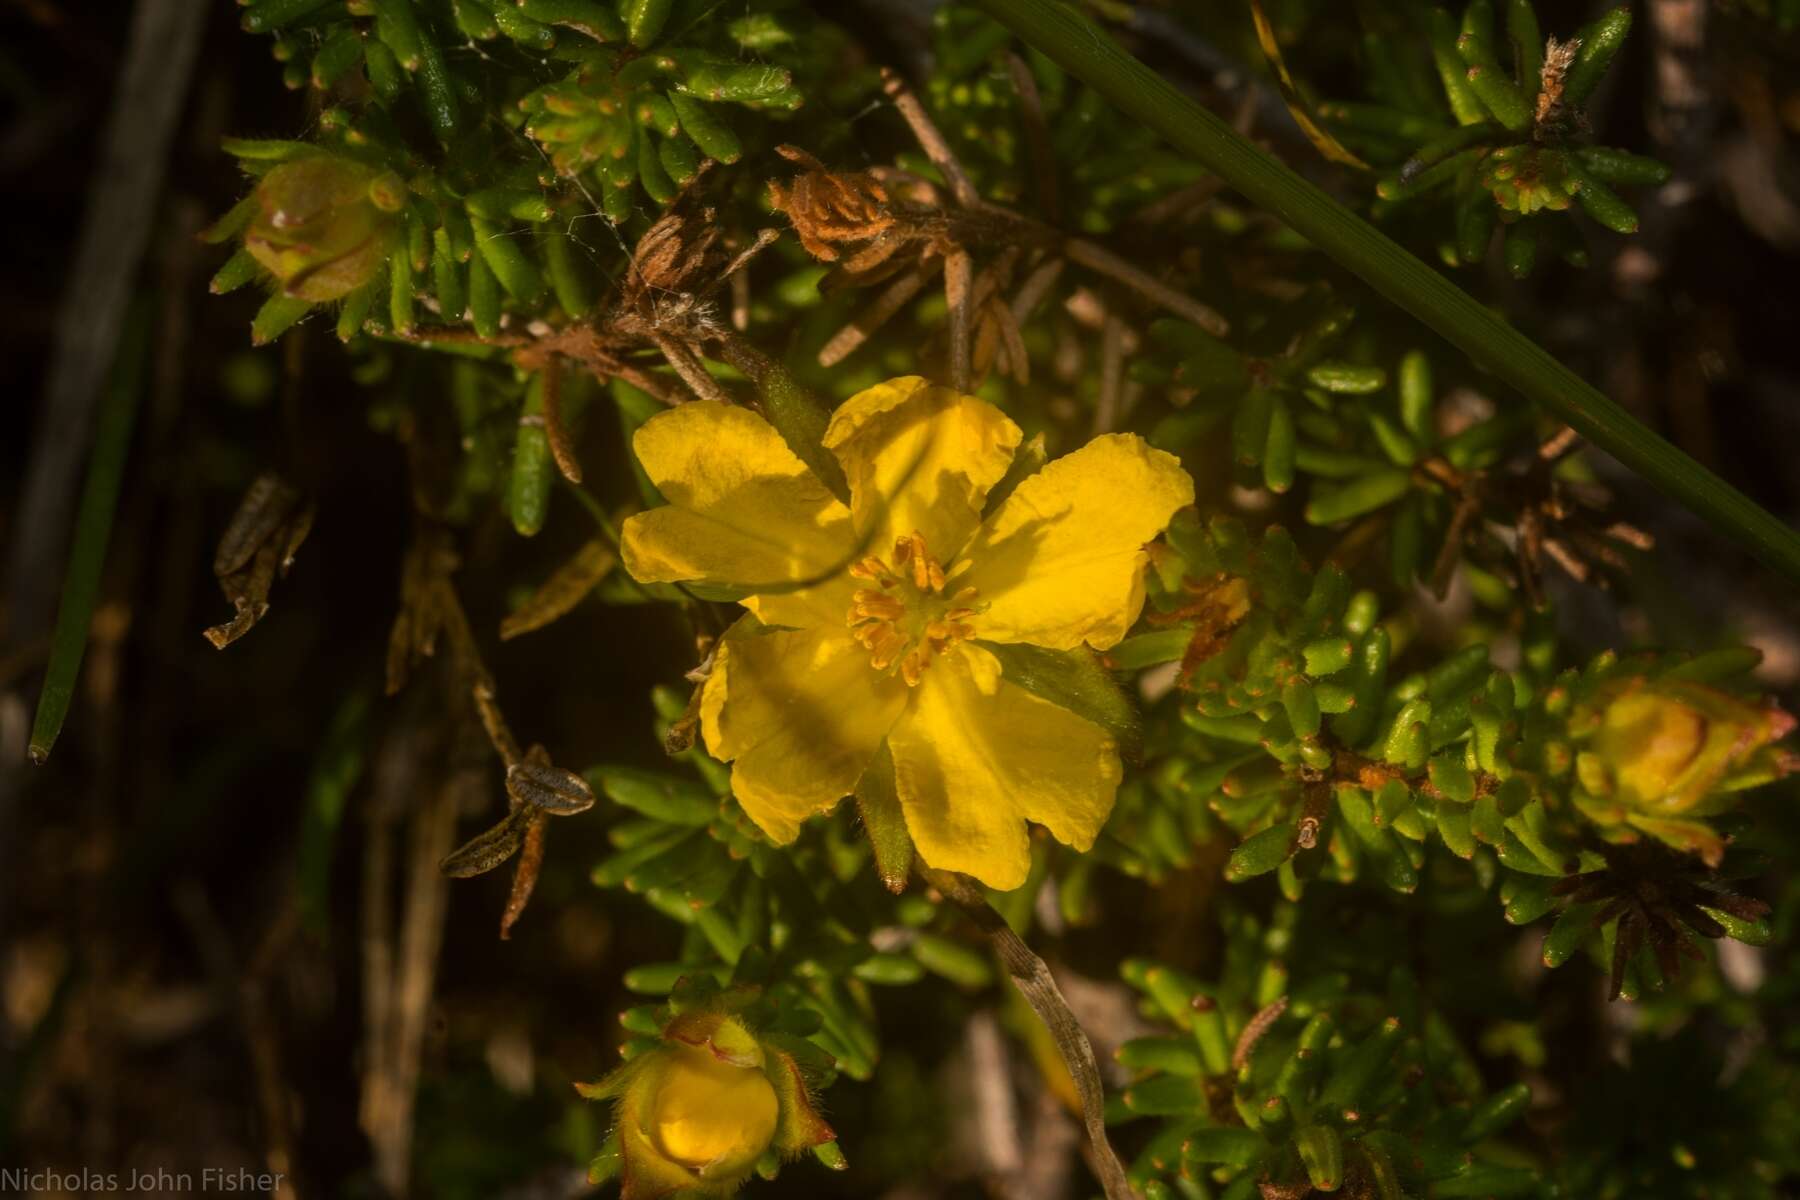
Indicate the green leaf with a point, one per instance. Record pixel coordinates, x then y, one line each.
528 494
1262 852
1322 1153
339 764
1329 505
1600 43
1497 1112
1229 1146
662 797
93 529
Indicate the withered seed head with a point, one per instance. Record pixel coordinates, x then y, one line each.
831 211
1558 58
680 253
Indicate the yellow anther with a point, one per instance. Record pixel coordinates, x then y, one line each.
873 568
903 620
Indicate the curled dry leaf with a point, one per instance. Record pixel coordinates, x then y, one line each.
562 591
489 848
259 544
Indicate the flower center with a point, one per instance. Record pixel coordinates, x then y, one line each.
906 620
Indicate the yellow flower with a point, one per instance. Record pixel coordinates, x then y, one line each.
1661 753
699 1110
1672 747
804 692
709 1114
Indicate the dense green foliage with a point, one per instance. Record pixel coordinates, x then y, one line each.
534 221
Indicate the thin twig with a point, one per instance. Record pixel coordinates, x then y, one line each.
892 298
1112 374
688 367
560 449
930 139
1166 209
1105 262
494 722
648 384
433 830
243 989
1451 553
1034 981
740 302
1253 1032
1559 444
1037 137
764 239
1037 285
958 284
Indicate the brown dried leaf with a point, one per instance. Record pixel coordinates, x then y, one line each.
259 542
539 785
264 508
488 849
562 591
248 591
525 875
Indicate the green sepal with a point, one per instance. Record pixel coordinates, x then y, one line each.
238 270
1075 680
800 416
798 1126
277 315
878 803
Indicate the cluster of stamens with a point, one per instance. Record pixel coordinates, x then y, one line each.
905 619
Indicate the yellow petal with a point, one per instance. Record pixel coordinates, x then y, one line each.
919 458
823 605
801 713
743 509
710 1116
1061 561
976 757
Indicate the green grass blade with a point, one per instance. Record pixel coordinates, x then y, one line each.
336 768
93 528
1080 47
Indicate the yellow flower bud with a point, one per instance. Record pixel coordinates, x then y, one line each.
318 228
1672 747
697 1113
711 1116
